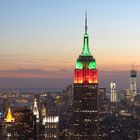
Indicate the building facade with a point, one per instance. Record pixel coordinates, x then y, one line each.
85 94
113 92
133 88
51 128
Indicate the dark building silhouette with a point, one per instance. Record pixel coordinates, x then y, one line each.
21 126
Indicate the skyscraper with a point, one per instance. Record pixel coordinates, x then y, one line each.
85 94
113 92
35 110
19 124
51 129
9 116
133 88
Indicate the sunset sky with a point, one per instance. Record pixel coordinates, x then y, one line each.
43 38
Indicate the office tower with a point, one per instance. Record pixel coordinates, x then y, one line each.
44 114
35 110
21 126
43 110
51 130
1 110
9 123
113 92
58 100
35 128
85 94
133 89
9 117
101 96
137 106
128 95
69 93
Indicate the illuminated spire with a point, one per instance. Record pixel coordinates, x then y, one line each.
86 51
9 116
86 22
35 109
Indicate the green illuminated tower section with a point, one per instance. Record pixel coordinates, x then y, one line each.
86 71
85 94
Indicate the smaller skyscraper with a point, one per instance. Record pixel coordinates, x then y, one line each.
43 110
113 92
102 96
133 88
44 114
35 110
137 106
9 117
9 123
51 131
128 95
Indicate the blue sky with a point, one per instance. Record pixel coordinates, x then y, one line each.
47 35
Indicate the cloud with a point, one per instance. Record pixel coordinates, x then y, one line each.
36 73
51 77
34 82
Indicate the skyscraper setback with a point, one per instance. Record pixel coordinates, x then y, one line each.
85 94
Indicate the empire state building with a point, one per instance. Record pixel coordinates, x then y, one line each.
85 94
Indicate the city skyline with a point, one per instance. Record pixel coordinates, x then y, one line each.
43 41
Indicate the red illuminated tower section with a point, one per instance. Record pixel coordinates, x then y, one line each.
85 94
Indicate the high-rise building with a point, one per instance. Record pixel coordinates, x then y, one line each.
9 123
9 117
1 110
85 94
51 129
137 106
19 125
133 88
127 95
101 95
113 92
35 110
43 110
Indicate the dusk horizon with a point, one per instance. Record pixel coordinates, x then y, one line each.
69 70
105 78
